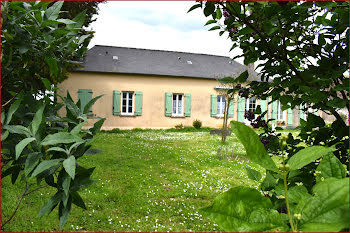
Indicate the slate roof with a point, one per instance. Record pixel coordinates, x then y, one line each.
108 59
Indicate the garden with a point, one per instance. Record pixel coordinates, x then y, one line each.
181 179
152 180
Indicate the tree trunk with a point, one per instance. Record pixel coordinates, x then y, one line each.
224 128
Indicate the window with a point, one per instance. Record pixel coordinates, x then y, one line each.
177 105
127 103
251 104
220 106
280 113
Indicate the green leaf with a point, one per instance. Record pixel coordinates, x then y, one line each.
269 182
330 166
79 19
77 200
72 107
3 116
210 22
66 21
12 110
296 193
21 145
82 182
253 146
69 166
218 13
18 129
64 211
46 83
4 134
76 130
44 165
38 117
209 9
97 126
246 30
53 11
90 103
54 200
328 209
59 149
214 28
243 209
194 7
242 77
253 174
61 137
31 161
52 62
93 152
308 155
66 183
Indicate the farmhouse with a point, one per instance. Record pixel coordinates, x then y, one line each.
144 88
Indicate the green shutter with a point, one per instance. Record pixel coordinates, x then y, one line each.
213 106
230 109
85 95
138 103
240 109
168 104
274 111
290 116
116 103
263 108
187 105
316 112
301 112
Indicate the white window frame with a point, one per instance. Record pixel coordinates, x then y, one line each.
127 113
248 103
221 103
279 111
177 104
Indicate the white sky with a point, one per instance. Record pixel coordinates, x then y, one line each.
162 25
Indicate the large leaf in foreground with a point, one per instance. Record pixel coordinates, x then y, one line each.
253 146
330 166
308 155
243 209
328 209
61 137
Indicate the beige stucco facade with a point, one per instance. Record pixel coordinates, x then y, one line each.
153 90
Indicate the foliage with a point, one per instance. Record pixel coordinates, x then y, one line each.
303 52
37 144
36 43
197 124
179 126
42 146
72 8
287 204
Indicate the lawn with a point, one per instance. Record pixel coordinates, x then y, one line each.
151 180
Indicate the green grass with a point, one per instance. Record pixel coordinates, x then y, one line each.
149 180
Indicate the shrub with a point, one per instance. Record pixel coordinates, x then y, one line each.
197 124
115 130
180 126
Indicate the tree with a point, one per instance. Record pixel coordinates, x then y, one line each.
303 50
37 144
36 43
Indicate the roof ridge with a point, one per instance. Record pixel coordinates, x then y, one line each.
161 51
